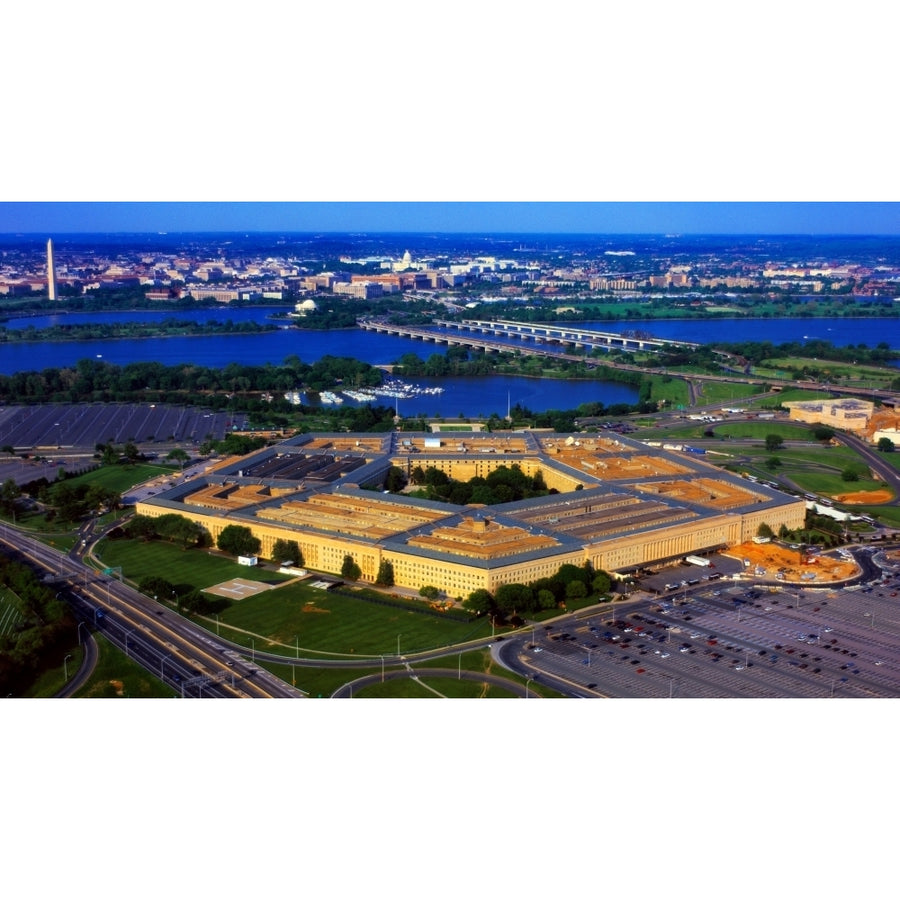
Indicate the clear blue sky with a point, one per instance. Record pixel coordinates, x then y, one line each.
598 218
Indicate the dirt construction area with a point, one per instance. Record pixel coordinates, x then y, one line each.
882 496
770 560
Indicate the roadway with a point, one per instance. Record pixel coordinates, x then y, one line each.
189 660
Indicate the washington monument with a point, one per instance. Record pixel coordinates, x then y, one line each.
51 272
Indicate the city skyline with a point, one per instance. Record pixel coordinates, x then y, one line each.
550 217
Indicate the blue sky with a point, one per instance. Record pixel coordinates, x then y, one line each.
589 217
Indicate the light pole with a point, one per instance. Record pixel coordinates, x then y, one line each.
78 632
398 645
162 660
217 624
297 645
459 669
66 665
526 686
253 649
871 617
382 668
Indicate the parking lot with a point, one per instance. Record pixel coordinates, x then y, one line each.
724 639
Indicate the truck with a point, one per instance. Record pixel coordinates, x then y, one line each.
696 560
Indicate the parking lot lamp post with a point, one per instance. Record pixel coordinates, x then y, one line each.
871 617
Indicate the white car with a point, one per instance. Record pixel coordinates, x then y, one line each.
538 649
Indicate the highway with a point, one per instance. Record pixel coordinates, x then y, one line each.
183 656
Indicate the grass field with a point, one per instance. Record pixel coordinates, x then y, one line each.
720 391
117 676
760 430
337 624
121 478
197 567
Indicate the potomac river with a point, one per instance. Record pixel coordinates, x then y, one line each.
475 396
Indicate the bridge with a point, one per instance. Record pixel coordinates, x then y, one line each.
559 334
437 337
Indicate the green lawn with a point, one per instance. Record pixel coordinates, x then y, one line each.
760 430
118 676
337 624
720 391
197 567
121 478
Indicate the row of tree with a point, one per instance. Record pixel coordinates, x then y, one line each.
509 601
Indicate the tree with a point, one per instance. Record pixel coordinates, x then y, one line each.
575 590
479 601
774 442
350 570
238 541
764 531
287 551
885 445
395 480
9 494
178 455
849 474
429 592
385 576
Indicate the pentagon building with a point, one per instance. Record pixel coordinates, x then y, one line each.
615 503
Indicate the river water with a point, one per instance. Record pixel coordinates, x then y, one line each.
475 396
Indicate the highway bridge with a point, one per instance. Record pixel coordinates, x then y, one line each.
556 334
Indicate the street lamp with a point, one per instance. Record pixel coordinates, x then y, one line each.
78 632
398 645
526 686
297 645
66 665
871 617
162 660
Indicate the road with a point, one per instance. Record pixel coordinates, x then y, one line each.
174 649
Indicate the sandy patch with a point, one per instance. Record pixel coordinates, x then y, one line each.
774 558
880 496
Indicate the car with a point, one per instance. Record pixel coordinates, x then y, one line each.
738 668
664 655
538 649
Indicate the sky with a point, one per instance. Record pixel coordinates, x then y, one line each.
54 218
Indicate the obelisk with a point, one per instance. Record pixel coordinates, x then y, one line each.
51 272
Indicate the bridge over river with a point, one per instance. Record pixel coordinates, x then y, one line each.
557 352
